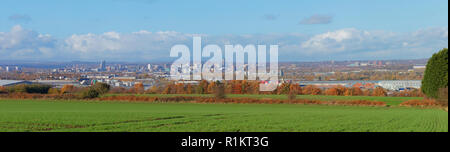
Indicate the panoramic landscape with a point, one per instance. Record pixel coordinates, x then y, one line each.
153 66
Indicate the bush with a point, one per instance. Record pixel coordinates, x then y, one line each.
53 91
95 91
3 90
101 88
33 88
380 92
90 93
443 97
219 91
67 89
436 74
292 95
420 103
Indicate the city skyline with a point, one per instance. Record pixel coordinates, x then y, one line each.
145 30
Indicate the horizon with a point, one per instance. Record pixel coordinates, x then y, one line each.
145 30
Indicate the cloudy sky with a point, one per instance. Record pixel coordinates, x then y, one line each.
145 30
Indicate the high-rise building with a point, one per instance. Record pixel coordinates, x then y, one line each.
149 67
103 65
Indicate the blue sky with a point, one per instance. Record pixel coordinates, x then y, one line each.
75 26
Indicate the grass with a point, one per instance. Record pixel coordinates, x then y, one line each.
389 100
88 116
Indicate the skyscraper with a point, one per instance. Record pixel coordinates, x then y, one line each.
149 67
103 65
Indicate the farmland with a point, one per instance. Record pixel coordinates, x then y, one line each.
107 116
389 100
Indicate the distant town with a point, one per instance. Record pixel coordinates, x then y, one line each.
394 75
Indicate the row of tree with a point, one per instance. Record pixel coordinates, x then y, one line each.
252 87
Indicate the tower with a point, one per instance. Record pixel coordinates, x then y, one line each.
103 65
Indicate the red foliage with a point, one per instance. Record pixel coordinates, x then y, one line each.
39 96
239 100
420 103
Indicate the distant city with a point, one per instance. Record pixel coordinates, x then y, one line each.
404 73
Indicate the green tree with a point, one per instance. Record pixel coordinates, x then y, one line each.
90 93
101 88
436 74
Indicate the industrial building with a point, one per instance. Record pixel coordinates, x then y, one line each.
6 83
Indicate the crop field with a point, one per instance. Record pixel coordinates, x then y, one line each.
389 100
89 116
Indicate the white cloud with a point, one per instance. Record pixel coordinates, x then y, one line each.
22 43
144 45
381 44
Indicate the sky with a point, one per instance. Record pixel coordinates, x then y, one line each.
145 30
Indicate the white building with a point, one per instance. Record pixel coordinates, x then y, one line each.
401 85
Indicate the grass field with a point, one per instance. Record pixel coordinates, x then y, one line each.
389 100
88 116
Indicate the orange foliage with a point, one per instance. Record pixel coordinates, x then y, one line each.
3 89
420 103
67 89
311 90
39 96
139 88
379 91
239 100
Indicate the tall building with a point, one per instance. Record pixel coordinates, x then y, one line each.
149 67
103 65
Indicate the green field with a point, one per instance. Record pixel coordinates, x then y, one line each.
88 116
389 100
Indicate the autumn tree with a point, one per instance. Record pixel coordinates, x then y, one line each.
311 90
357 91
237 87
292 95
283 88
332 92
53 91
3 89
211 87
219 90
67 89
180 89
167 90
153 90
101 88
139 88
189 89
379 91
254 87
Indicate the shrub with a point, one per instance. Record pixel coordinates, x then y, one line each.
219 91
380 92
101 88
420 103
240 100
443 97
33 88
38 88
118 90
90 93
53 91
292 95
436 74
67 89
3 90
